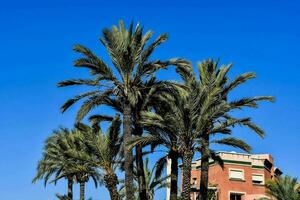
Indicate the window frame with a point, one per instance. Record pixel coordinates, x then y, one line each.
236 169
236 192
263 179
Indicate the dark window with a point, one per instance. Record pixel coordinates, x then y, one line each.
257 182
235 196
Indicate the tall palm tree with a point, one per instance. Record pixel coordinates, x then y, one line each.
149 99
130 54
171 128
56 164
161 135
153 90
102 151
203 107
213 109
177 126
284 188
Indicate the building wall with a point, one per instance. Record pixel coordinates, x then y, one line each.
219 178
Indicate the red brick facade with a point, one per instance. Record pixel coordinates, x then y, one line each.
243 176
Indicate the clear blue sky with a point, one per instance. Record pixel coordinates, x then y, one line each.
36 39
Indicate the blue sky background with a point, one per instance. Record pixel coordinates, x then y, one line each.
36 39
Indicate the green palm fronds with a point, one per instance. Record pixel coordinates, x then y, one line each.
284 188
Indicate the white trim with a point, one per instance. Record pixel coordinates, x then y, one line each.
238 164
237 153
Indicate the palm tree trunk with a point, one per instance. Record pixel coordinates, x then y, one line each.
204 167
141 173
82 190
174 175
128 167
70 188
140 165
111 182
186 170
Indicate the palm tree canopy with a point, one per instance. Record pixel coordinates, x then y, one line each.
129 51
197 106
100 150
210 105
284 188
57 164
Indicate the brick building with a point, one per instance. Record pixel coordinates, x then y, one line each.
242 178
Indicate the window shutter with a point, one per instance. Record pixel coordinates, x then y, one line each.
258 178
237 174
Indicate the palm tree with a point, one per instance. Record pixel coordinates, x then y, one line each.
102 152
161 135
56 164
83 171
129 53
213 110
152 91
149 99
174 127
284 188
154 181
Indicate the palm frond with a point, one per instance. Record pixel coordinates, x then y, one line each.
216 158
285 187
72 82
142 140
72 101
160 166
91 103
94 63
148 51
234 142
238 81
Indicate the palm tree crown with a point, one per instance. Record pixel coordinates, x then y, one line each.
130 54
284 188
56 163
102 151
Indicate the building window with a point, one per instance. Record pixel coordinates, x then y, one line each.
235 196
258 179
236 174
